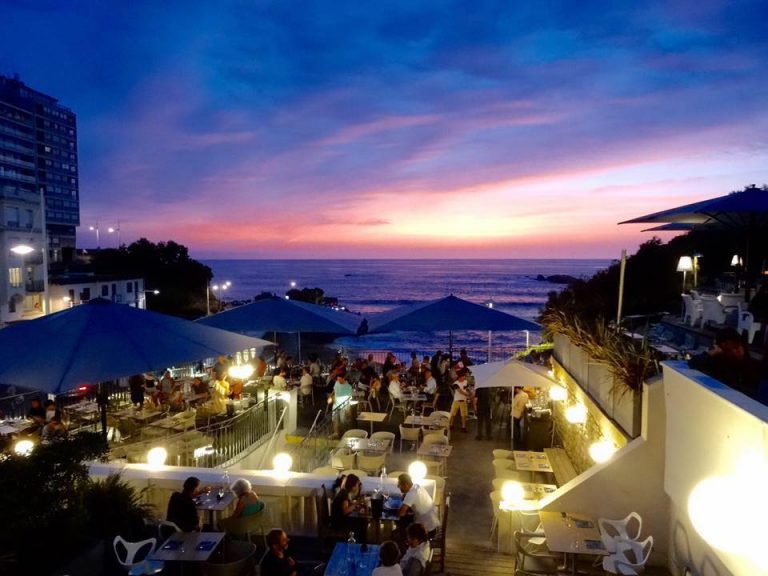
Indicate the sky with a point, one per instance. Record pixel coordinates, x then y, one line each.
336 129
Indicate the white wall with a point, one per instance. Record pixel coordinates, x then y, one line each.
632 480
710 430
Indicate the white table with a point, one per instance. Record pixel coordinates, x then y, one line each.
359 444
572 534
372 417
532 462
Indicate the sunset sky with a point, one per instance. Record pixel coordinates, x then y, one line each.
498 129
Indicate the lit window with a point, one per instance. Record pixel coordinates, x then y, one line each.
14 277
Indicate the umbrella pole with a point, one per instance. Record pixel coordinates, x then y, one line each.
450 346
298 344
102 398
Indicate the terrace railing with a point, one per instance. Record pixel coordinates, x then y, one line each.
315 448
219 444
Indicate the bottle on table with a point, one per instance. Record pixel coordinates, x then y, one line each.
383 482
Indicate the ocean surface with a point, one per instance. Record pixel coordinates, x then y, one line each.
370 286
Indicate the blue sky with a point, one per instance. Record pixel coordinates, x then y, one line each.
355 129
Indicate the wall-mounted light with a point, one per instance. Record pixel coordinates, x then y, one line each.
576 414
558 393
602 450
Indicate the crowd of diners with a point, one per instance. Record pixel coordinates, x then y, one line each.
406 554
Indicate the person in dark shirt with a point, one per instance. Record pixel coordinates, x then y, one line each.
729 362
36 412
181 507
276 561
344 506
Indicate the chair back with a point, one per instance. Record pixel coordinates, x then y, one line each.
435 438
243 526
357 472
372 462
611 531
438 542
500 454
166 529
325 471
634 553
135 552
343 458
355 433
385 436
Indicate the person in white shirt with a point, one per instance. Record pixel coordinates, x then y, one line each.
388 555
430 385
417 500
460 398
414 561
305 384
279 381
394 387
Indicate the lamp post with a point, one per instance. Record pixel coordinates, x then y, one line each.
115 229
685 265
95 228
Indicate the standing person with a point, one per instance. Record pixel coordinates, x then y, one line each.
389 364
276 561
416 500
483 411
136 386
519 402
220 368
460 398
342 389
181 507
464 358
306 382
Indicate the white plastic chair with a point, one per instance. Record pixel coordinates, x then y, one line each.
343 458
713 312
630 557
371 463
693 309
499 454
355 433
131 561
611 531
166 529
409 435
385 436
325 471
435 438
357 472
746 323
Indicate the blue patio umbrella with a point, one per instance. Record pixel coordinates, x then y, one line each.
282 315
447 314
100 341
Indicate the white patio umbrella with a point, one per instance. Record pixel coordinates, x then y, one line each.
509 374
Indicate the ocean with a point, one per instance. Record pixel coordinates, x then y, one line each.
370 286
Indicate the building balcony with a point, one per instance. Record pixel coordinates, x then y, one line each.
34 286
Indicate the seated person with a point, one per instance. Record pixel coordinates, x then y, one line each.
305 384
430 384
199 386
176 398
236 390
374 394
414 561
729 362
345 504
50 410
388 555
394 386
248 502
36 412
280 380
181 507
53 429
416 500
276 561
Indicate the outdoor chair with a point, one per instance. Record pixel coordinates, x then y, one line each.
439 489
396 404
409 434
325 471
611 531
245 527
166 529
326 535
438 542
746 324
343 458
356 471
506 469
500 454
371 462
532 558
238 558
495 503
693 309
441 419
355 433
713 312
630 557
135 559
385 436
435 438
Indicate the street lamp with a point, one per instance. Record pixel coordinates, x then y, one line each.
95 228
115 229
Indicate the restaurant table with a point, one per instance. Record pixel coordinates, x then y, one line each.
414 398
372 417
359 444
209 501
340 563
532 462
177 423
188 547
572 534
440 451
15 426
390 513
510 514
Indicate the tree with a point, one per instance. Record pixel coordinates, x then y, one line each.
165 266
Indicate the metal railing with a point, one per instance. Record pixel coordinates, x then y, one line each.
215 445
315 449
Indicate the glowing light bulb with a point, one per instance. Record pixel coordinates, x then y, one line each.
157 456
417 470
576 414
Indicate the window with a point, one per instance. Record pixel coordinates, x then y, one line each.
14 277
129 287
85 295
105 290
